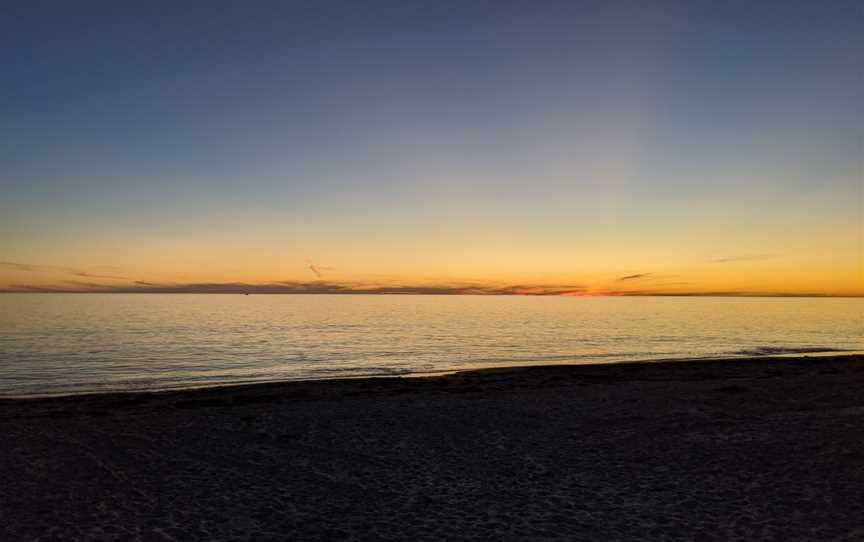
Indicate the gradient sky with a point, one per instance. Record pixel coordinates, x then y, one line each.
468 147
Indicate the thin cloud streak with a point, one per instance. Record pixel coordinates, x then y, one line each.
34 268
745 258
636 276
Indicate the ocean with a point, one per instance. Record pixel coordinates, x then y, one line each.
57 344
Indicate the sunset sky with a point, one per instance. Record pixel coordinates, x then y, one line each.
437 147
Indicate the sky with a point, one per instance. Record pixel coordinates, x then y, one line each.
562 148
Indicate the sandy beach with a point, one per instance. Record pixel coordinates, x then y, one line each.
759 449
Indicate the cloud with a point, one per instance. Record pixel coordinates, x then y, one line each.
316 268
314 287
28 288
636 276
744 258
95 276
24 266
326 287
33 268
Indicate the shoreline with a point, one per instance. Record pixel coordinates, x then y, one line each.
524 376
480 369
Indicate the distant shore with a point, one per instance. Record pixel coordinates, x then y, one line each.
748 449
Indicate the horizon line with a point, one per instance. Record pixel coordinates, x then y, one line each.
442 294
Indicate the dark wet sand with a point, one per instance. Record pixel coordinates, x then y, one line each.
769 449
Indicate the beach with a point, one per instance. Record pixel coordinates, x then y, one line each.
748 449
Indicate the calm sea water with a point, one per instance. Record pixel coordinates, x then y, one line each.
74 343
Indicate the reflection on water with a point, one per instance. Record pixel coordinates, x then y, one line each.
70 343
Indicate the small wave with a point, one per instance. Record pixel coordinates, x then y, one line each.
570 357
360 371
774 350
